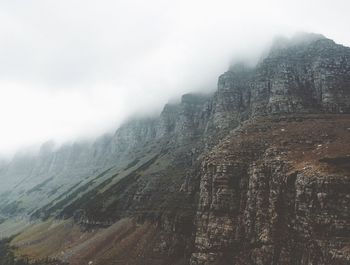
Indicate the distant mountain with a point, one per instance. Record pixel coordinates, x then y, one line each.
256 173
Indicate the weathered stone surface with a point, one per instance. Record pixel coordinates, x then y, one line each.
278 204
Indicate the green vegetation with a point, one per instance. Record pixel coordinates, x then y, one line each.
103 173
108 205
43 211
39 186
10 208
66 197
131 164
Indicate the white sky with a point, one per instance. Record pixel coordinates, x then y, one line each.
77 68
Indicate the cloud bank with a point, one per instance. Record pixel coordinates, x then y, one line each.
78 68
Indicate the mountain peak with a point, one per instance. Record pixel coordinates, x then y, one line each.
258 168
301 38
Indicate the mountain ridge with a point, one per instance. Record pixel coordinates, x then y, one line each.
218 175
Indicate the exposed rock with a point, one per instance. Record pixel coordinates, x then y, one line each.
258 205
256 173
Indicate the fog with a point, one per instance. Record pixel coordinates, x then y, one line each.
78 68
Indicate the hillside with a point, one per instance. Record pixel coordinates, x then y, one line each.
255 173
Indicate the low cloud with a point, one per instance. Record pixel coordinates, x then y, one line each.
78 68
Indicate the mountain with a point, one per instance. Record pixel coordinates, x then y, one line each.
255 173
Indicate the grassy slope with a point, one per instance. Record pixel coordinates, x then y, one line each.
125 242
310 143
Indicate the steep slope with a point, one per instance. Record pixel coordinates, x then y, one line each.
276 191
256 173
32 182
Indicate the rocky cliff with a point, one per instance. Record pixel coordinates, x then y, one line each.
276 191
255 173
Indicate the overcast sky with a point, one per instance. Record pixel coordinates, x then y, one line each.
78 68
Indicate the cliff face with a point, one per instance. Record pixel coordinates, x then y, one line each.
296 76
276 191
257 173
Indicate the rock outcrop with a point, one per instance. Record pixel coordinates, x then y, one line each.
268 196
256 173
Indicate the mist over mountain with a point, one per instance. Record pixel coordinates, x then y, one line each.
76 69
174 133
256 172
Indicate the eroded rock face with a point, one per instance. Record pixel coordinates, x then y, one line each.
256 205
270 207
306 77
256 173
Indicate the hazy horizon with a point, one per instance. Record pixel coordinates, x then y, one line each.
77 69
